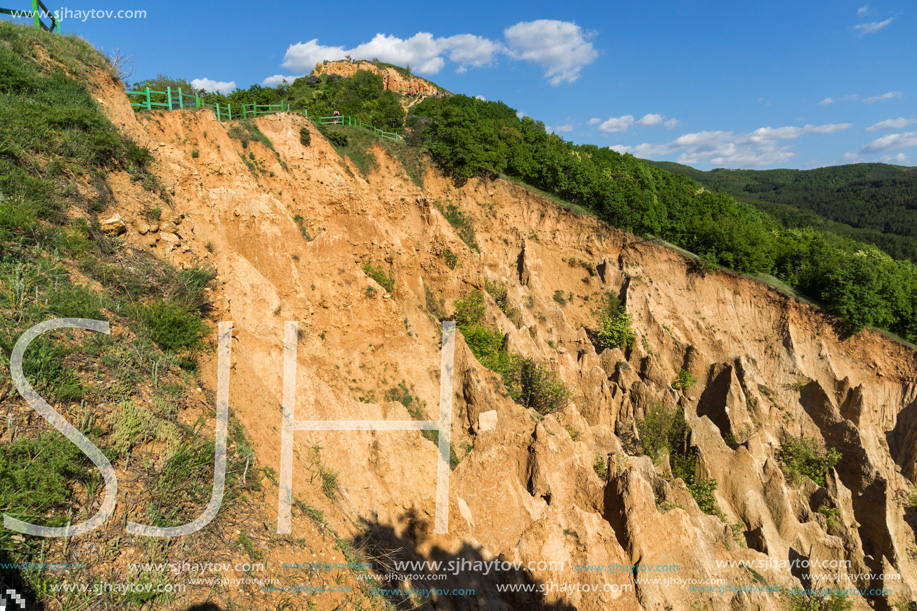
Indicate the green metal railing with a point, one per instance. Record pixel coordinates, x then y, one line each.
350 121
176 100
150 99
39 10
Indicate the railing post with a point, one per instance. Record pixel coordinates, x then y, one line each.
149 104
197 100
180 102
169 95
35 14
229 110
218 113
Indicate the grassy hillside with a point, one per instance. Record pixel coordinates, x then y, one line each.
873 203
133 393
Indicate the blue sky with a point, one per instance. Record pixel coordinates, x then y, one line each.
711 84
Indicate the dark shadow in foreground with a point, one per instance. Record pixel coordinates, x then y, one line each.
381 546
11 579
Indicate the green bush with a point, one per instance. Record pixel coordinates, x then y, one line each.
662 430
831 514
470 311
615 325
337 138
801 457
404 395
74 302
451 258
500 294
305 136
38 478
172 326
600 466
247 131
435 305
461 222
798 601
378 274
684 381
665 431
539 388
702 490
528 382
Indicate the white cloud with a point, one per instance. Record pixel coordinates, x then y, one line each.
761 147
864 10
593 121
480 97
562 129
873 26
616 124
891 142
422 51
273 81
850 158
520 114
900 159
471 50
304 55
210 85
891 95
650 120
561 47
899 123
847 98
623 123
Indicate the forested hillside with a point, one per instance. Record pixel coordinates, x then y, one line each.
870 202
856 281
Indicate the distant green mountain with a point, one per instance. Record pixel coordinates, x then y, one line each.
874 203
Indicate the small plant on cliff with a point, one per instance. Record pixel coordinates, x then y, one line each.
801 457
662 430
702 490
684 381
600 466
800 601
301 223
527 381
499 292
461 222
539 388
451 258
378 274
305 136
470 310
830 513
615 325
